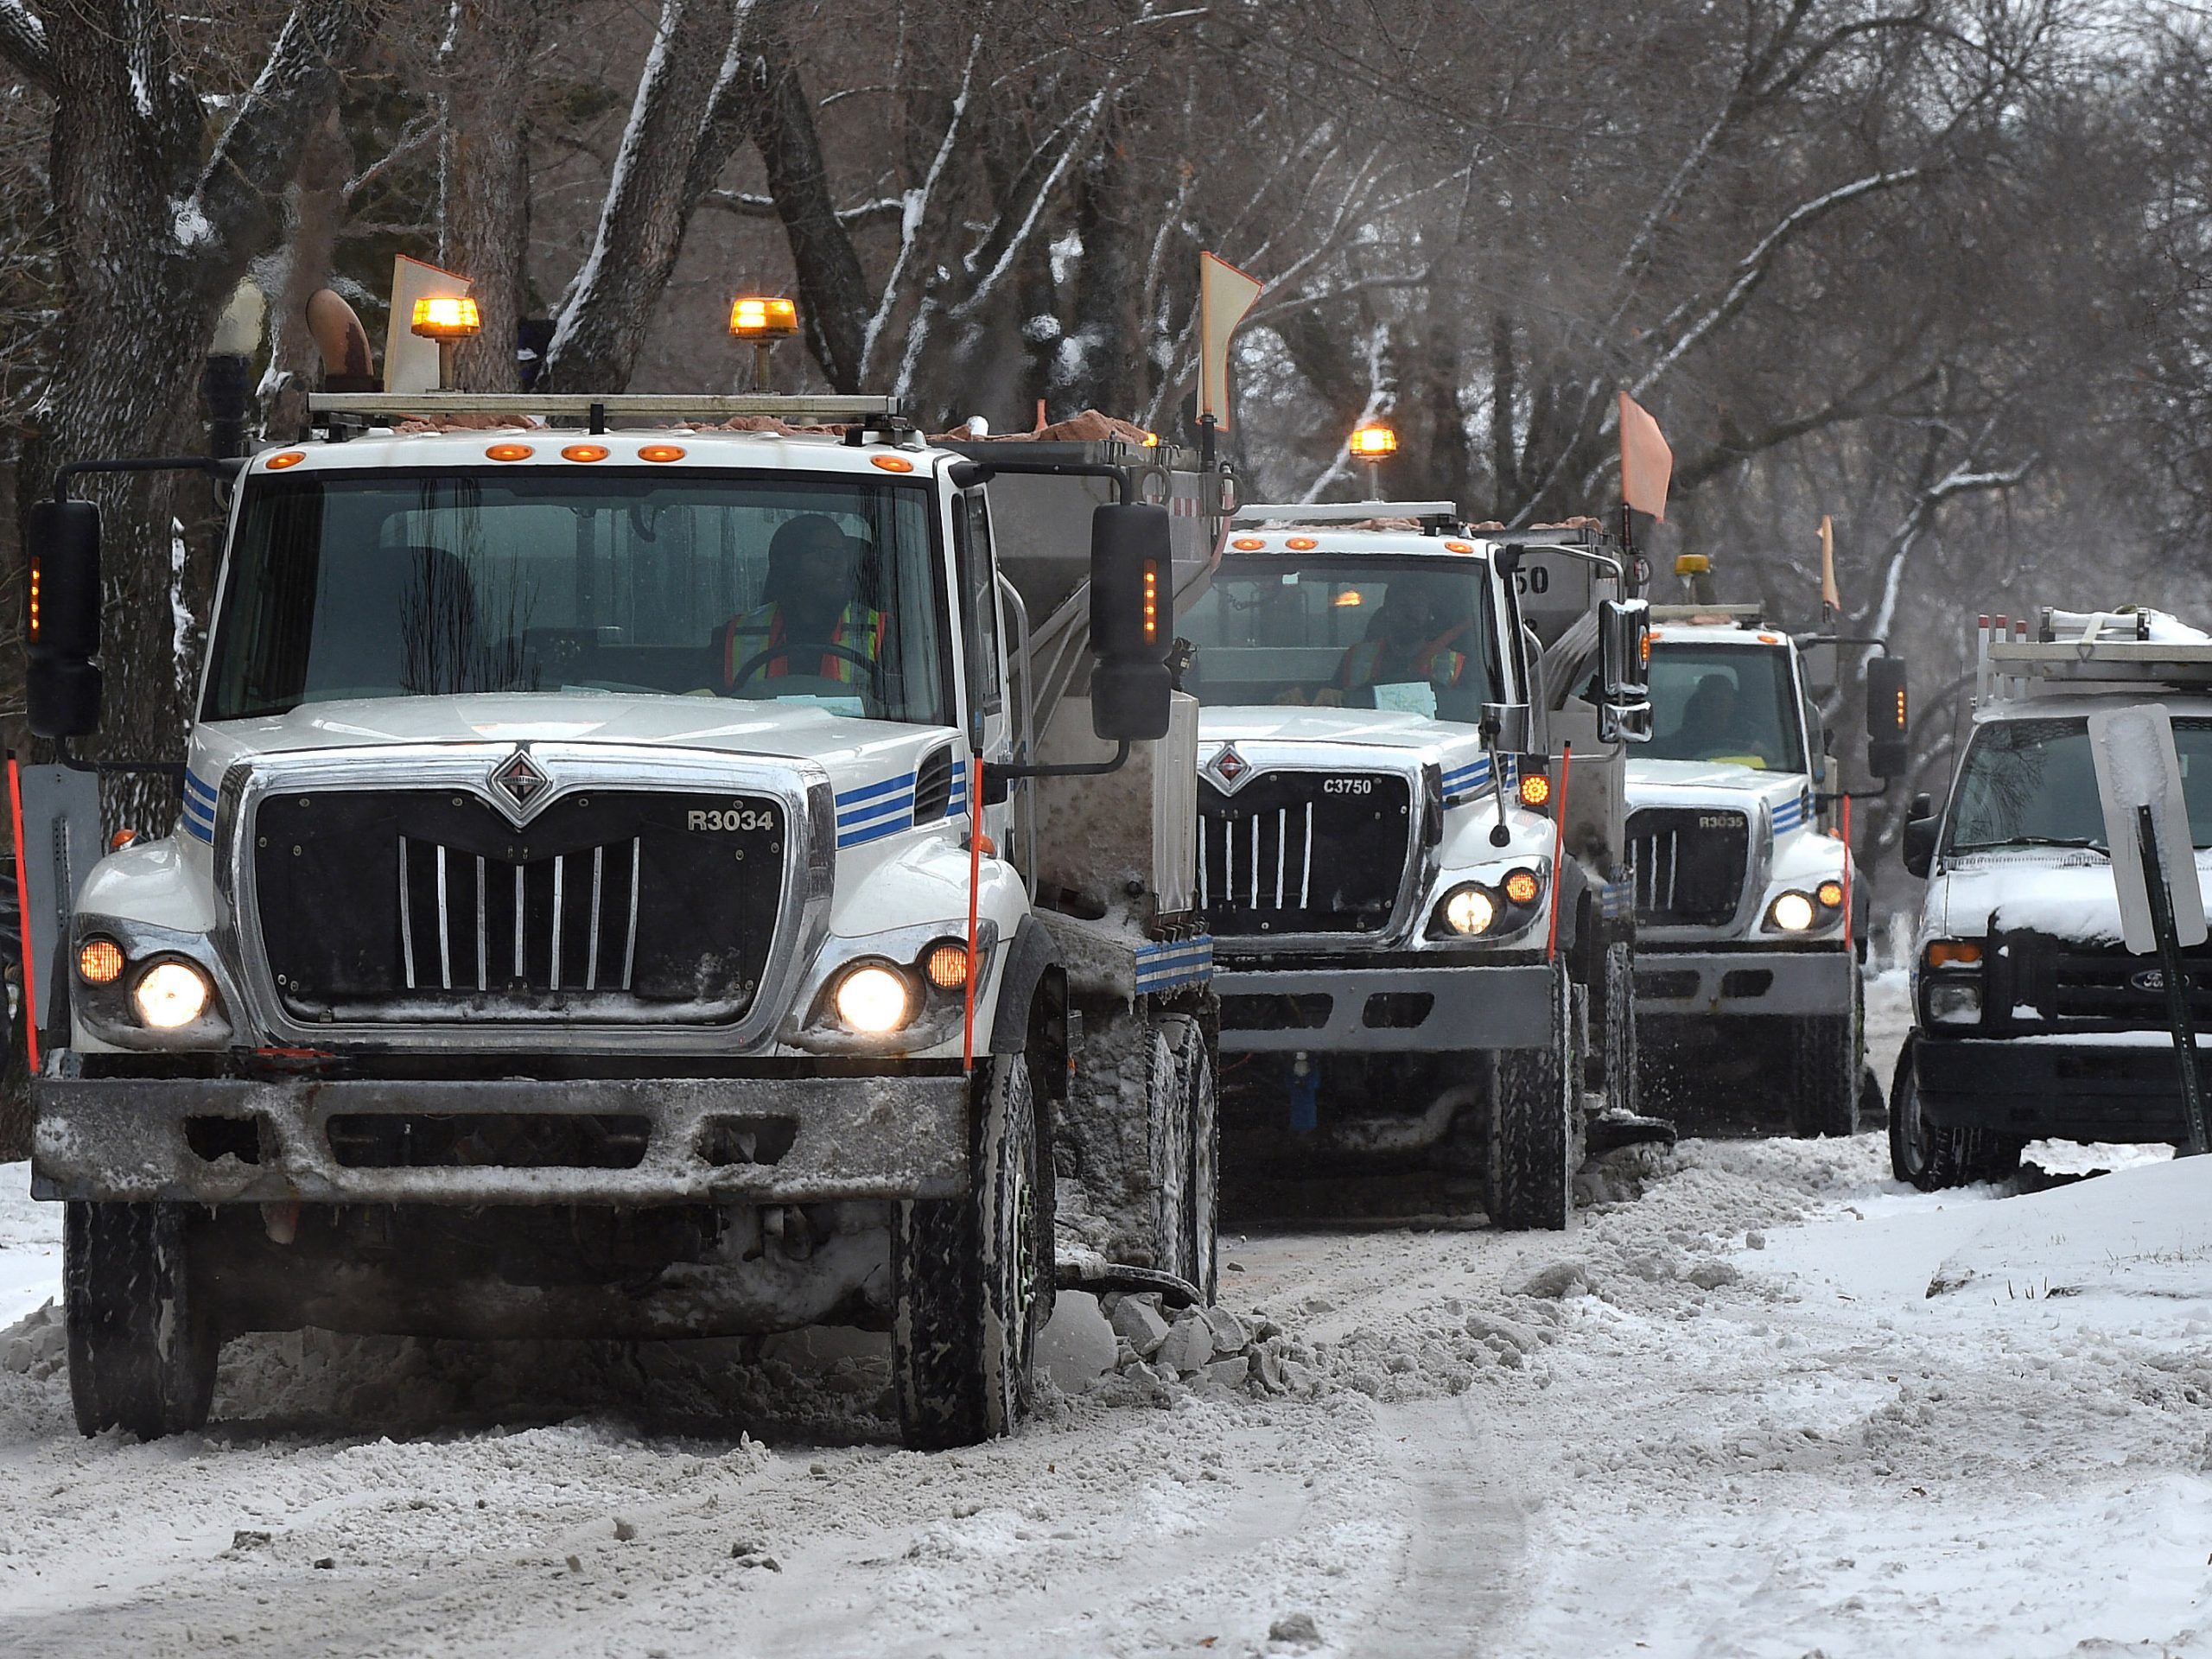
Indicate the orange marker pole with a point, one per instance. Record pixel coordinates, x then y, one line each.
974 880
1558 846
24 915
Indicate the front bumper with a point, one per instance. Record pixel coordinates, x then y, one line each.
704 1139
1743 981
2057 1091
1383 1010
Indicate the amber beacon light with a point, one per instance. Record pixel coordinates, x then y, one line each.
764 321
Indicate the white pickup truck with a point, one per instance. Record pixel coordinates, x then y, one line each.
2032 1019
1419 967
581 917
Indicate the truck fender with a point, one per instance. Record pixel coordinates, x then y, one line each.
1028 958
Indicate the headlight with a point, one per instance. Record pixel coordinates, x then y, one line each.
874 1000
1954 1005
170 994
1792 912
1470 910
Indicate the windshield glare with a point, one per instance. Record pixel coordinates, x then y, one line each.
1407 634
2033 783
1732 703
765 589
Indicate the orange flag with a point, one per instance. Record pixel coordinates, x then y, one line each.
1225 294
1647 464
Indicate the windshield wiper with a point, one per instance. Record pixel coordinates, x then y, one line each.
2083 842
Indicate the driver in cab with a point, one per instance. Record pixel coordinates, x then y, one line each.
1412 640
1714 721
812 622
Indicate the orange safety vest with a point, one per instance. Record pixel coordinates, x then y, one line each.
858 629
1432 661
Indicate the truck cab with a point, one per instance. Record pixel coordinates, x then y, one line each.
624 883
1421 967
1749 910
2031 1019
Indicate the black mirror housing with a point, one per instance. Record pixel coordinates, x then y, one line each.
61 699
1918 849
1132 583
1888 716
1132 621
62 619
1130 701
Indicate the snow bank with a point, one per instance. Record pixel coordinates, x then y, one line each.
2141 1232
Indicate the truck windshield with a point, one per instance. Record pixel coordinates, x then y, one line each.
1410 634
1731 703
2031 783
819 591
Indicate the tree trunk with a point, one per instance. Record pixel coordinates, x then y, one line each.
613 301
485 75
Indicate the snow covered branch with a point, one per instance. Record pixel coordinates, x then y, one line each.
22 44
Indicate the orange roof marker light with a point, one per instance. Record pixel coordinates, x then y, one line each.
1248 544
891 463
753 317
290 457
660 452
1374 443
584 452
1301 543
509 452
446 316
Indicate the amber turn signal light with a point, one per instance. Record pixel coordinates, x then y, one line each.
99 961
1521 887
1830 893
1535 789
946 966
1945 953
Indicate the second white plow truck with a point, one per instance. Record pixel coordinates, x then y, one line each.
580 921
1423 963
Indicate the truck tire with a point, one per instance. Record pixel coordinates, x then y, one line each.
1620 1085
1825 1060
1534 1107
1197 1219
142 1345
968 1278
1935 1158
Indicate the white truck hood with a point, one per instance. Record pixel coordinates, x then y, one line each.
1656 777
797 731
2066 894
1369 727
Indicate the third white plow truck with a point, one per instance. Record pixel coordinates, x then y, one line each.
579 920
1751 913
1424 963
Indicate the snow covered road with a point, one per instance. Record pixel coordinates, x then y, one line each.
1724 1416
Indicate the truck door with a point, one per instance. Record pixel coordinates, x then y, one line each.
982 654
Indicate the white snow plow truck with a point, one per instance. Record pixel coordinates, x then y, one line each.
640 879
1423 962
1750 915
2031 1019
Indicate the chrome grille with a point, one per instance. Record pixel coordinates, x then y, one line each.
533 923
1304 852
1689 865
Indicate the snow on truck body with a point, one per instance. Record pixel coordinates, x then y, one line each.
1380 895
585 948
2031 1019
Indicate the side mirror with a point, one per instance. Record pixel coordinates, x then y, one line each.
1624 665
1888 718
1132 621
62 621
1919 847
1505 727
